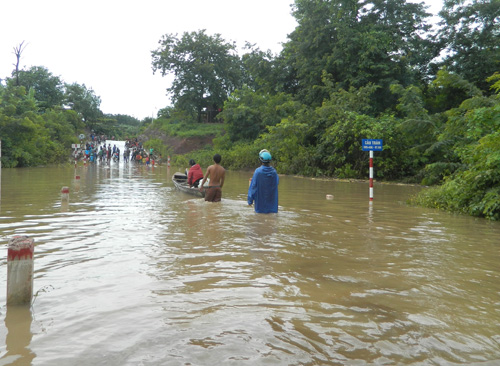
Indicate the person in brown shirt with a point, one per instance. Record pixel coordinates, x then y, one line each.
216 173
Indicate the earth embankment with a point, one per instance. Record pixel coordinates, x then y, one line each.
176 144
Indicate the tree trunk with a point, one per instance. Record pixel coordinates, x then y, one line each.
18 51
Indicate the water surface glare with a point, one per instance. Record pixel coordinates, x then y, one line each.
131 271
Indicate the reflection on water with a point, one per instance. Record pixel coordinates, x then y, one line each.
137 273
17 342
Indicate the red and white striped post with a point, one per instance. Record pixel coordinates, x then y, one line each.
20 268
372 145
168 161
371 175
75 152
65 193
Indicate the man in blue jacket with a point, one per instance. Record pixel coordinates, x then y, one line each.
263 188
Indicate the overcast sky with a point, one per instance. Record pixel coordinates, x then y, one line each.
107 44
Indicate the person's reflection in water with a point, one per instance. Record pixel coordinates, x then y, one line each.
263 233
194 218
18 322
64 205
265 246
262 228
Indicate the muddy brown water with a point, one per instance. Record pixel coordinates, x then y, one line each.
132 272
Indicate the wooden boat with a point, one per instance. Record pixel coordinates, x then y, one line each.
180 182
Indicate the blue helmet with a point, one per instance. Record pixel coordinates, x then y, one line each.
265 156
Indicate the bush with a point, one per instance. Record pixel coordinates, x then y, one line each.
475 191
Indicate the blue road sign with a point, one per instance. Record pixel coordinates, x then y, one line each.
372 145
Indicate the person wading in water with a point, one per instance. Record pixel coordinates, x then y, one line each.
216 173
263 188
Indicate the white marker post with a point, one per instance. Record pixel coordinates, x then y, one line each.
20 268
65 193
372 145
75 152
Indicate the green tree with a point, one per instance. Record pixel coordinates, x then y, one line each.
339 126
357 43
48 89
475 190
85 102
263 72
470 35
206 69
495 80
419 131
247 114
119 125
28 137
125 120
15 101
448 90
288 143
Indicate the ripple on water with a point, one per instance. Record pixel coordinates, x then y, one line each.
135 272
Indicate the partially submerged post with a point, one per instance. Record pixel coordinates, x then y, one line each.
65 193
75 152
20 269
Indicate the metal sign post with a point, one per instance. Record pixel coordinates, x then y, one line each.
372 145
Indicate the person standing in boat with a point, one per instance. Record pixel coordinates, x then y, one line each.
195 174
216 173
263 188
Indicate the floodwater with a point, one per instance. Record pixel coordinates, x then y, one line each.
132 272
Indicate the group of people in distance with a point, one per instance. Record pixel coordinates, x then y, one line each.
263 189
134 152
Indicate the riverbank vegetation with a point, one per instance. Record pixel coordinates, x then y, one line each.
350 70
41 117
354 70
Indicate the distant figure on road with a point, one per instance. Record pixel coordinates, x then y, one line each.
216 173
263 188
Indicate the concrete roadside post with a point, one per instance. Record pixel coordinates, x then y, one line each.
65 193
75 152
20 268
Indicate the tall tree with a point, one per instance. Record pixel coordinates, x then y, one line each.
357 43
30 138
206 69
247 114
48 88
18 50
85 102
261 70
470 34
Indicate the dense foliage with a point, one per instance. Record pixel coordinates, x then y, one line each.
376 69
206 70
41 117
